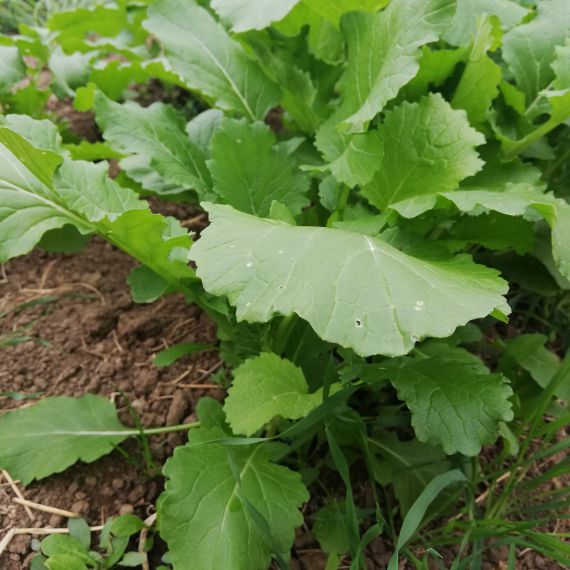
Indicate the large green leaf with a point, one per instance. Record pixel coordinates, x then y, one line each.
250 170
245 15
464 23
383 53
530 49
210 518
516 200
427 146
55 433
354 290
264 387
208 60
454 400
157 134
479 83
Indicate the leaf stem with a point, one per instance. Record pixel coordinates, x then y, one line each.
163 429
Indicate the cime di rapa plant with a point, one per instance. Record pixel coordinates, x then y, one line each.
387 262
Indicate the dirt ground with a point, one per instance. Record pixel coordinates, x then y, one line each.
74 329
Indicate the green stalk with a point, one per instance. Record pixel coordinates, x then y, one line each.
160 430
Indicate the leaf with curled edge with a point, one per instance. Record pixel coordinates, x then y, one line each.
427 147
354 290
516 200
454 400
207 512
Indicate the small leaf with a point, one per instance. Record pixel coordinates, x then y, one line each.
126 525
171 355
58 544
266 386
65 562
80 531
132 559
366 294
203 512
55 433
331 529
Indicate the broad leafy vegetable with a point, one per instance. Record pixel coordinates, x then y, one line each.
384 184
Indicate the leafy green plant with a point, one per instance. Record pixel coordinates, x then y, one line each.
73 551
411 174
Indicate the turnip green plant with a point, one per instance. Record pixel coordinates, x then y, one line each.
377 176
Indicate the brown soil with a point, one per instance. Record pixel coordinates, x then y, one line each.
89 337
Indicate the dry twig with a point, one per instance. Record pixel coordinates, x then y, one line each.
17 492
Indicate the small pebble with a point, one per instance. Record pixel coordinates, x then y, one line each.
126 509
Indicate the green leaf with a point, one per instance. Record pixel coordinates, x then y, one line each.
132 559
331 529
436 66
529 352
409 466
202 127
530 49
558 105
80 531
157 134
250 171
561 67
72 26
65 562
494 231
12 68
383 53
479 83
264 387
437 152
171 355
517 200
81 194
464 23
333 11
454 400
208 60
366 294
353 159
244 15
53 434
203 512
126 525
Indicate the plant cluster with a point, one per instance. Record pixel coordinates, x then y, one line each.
385 182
